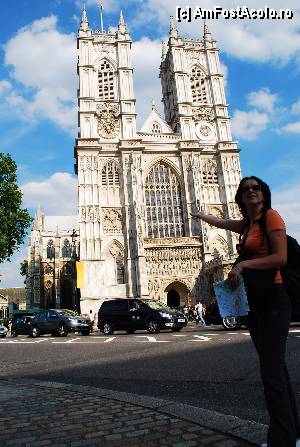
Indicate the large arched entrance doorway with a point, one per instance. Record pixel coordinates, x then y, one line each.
173 298
177 294
66 293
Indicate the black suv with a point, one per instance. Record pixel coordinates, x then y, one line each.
59 322
21 325
133 314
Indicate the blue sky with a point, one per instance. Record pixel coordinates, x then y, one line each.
261 64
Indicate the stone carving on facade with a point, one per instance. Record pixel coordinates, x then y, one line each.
112 220
173 240
108 122
216 210
116 249
48 284
48 269
203 113
205 130
220 246
165 261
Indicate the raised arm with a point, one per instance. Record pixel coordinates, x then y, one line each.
226 224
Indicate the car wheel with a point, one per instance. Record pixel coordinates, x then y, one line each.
130 331
3 336
85 332
62 330
108 328
35 332
14 333
153 327
231 323
176 329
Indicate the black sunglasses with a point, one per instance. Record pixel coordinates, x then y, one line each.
254 188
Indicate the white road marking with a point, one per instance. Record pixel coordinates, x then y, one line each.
152 339
294 330
200 338
72 339
110 339
179 335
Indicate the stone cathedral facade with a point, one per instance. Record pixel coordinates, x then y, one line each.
136 188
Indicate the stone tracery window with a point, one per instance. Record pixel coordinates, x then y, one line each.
66 251
163 203
110 174
50 249
198 85
210 173
106 82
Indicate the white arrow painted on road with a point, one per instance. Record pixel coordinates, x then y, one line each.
152 339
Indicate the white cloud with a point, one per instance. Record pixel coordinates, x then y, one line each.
296 107
287 202
291 128
277 41
43 60
263 100
10 271
248 125
4 86
57 194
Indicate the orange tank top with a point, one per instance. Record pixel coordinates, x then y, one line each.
256 241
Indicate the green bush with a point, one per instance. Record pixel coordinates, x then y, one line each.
5 322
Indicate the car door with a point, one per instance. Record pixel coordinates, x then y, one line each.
40 322
120 314
142 314
52 322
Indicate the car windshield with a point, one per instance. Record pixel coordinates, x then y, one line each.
68 312
157 305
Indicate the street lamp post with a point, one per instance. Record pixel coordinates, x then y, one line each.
76 302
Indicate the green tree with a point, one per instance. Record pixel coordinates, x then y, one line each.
24 268
14 220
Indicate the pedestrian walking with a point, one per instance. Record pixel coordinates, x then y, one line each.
270 310
199 309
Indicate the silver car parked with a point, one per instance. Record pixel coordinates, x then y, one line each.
3 331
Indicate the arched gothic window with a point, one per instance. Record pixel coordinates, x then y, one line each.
110 174
66 251
163 203
156 127
210 173
50 249
198 85
106 82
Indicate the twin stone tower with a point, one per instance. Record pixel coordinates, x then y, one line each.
136 188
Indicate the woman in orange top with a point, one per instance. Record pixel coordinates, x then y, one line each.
270 310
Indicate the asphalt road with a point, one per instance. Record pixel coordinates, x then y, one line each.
204 367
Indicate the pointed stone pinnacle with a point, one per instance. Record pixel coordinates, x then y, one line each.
173 30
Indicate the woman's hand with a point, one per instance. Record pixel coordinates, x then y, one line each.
234 276
197 215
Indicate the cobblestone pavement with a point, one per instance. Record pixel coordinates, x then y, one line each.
33 415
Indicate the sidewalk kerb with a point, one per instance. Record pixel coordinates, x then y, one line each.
250 431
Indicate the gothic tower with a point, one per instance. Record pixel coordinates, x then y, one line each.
136 189
195 106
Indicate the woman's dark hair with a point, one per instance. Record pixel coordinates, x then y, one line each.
264 188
